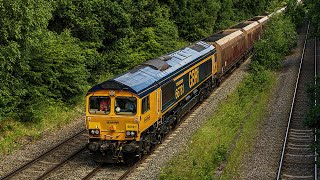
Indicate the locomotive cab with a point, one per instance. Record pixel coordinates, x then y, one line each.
113 124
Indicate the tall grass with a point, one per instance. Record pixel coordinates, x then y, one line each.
47 114
50 116
216 141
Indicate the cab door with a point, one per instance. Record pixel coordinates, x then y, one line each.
145 120
149 114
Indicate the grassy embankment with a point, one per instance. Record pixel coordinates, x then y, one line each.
56 115
228 133
14 133
225 138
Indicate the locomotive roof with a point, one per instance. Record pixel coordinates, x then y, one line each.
150 75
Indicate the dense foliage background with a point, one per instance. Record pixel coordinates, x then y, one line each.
51 51
314 15
313 118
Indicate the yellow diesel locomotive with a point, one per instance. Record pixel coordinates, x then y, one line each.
128 114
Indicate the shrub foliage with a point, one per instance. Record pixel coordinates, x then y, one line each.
279 38
313 7
52 50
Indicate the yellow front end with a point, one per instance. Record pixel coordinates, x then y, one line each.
112 121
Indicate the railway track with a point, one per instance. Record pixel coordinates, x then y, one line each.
298 157
48 162
109 172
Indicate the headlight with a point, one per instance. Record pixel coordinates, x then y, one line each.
131 133
128 133
94 131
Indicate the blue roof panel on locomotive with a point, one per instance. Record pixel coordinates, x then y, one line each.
152 74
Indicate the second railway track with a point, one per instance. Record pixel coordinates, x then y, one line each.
298 157
46 163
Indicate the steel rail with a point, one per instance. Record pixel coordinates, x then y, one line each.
93 172
129 171
23 167
292 105
49 171
315 104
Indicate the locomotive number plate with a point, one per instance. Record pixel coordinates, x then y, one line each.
131 127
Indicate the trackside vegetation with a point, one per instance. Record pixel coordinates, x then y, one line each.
52 51
313 118
216 149
314 16
279 38
231 127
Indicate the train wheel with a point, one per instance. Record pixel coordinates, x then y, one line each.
201 97
218 82
146 144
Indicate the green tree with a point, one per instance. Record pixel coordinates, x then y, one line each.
19 20
279 38
36 64
226 15
296 12
195 18
313 7
51 49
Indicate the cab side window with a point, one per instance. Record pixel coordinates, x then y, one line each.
145 104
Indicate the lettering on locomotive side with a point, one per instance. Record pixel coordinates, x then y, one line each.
112 122
194 77
147 118
179 89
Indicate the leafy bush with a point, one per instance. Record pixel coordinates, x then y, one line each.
53 50
296 12
313 118
314 15
279 38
